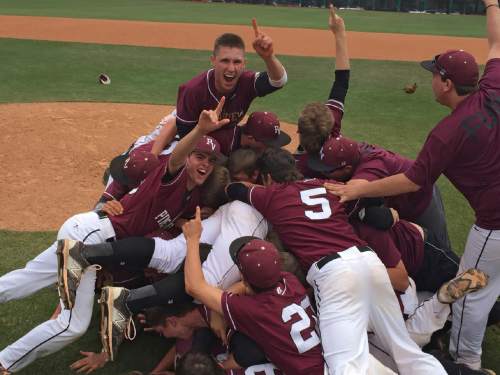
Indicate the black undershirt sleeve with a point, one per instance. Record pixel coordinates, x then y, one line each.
340 85
378 217
263 86
238 191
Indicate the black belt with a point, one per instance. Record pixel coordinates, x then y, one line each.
321 263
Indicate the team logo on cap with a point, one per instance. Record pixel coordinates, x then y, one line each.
211 143
277 130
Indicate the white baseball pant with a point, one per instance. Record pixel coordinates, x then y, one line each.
353 294
231 221
41 272
470 314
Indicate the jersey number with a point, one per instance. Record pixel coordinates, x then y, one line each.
310 198
303 345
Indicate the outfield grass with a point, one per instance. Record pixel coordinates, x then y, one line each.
240 14
377 110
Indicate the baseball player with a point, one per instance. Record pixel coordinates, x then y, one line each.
168 192
284 329
229 222
343 159
318 121
229 78
464 147
350 283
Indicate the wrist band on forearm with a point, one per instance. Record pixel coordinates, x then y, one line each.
491 5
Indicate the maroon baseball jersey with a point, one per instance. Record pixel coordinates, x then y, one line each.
336 108
155 204
410 244
464 146
281 322
219 351
310 222
380 241
199 93
377 163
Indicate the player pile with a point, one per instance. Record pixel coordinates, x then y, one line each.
335 259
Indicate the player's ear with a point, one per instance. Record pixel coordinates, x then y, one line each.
212 59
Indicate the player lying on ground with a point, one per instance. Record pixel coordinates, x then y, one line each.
169 192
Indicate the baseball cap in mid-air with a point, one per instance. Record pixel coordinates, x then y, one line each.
337 152
265 128
131 169
457 65
258 261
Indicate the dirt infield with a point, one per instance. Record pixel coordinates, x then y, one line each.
53 154
52 174
298 42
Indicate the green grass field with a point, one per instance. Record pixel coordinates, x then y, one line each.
237 14
377 110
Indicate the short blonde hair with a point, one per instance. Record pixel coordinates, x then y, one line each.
315 125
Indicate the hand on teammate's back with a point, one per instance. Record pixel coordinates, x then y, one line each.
209 118
335 22
112 208
262 44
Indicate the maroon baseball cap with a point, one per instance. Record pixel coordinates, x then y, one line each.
265 128
337 152
131 169
457 65
209 145
258 261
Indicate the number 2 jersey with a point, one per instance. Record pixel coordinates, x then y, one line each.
281 322
311 222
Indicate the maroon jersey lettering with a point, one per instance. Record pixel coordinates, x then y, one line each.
281 322
310 222
464 147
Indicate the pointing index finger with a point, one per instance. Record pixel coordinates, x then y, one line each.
255 27
219 107
198 213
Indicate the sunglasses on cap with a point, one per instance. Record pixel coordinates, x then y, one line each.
440 70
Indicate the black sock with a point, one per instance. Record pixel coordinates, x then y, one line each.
167 291
132 253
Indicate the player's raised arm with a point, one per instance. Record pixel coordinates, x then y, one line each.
337 27
194 280
207 122
493 27
263 45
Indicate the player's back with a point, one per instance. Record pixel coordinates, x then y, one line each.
282 323
310 222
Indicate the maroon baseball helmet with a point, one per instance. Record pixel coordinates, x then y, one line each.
258 261
131 169
336 153
457 65
265 128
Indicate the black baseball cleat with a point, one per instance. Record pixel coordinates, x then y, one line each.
464 283
116 319
70 267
